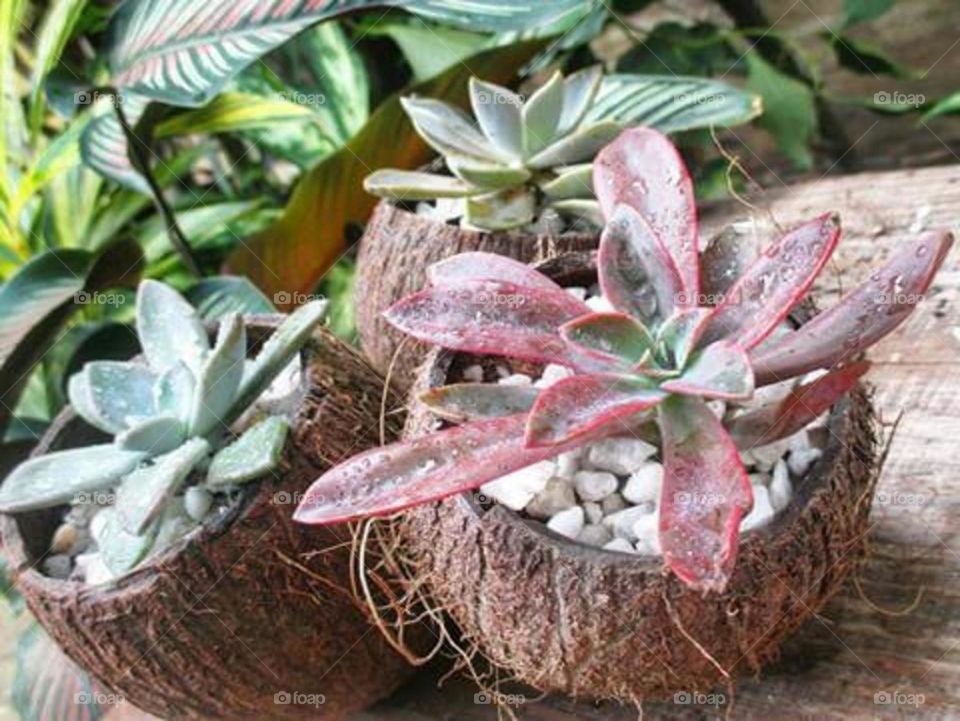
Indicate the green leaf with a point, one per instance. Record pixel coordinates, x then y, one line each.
55 30
573 182
103 146
230 112
216 296
947 106
540 115
251 456
579 90
60 477
861 11
154 436
153 56
144 493
500 211
490 176
169 328
864 57
577 147
173 392
463 402
430 49
108 394
415 185
199 224
120 549
294 254
448 130
498 112
790 114
218 380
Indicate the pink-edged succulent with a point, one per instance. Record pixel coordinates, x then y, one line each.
653 362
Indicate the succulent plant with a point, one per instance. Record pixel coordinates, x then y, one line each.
518 156
650 365
170 416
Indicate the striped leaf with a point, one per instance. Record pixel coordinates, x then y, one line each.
103 146
184 52
671 103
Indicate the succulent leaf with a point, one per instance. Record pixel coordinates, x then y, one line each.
219 378
705 493
483 174
577 147
579 90
462 402
573 182
276 353
169 328
498 112
577 408
502 210
619 338
108 394
862 317
721 370
173 392
448 131
253 455
540 115
487 316
414 185
644 170
120 549
144 493
153 436
727 256
680 334
800 408
478 265
770 288
632 259
588 210
59 477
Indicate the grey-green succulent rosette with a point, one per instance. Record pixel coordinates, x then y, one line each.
173 451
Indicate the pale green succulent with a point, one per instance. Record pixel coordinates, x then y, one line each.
516 159
170 418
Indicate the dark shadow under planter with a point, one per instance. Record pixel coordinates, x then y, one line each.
569 618
251 617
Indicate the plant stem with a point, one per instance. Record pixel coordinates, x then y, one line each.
140 154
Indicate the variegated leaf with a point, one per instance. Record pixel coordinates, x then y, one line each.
103 146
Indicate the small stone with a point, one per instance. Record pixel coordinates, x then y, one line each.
58 566
473 374
780 488
569 463
64 538
594 485
762 512
644 485
567 523
800 461
646 531
551 374
93 570
197 502
613 503
766 457
593 511
599 304
619 544
516 379
595 535
515 490
556 496
773 393
622 456
622 522
578 293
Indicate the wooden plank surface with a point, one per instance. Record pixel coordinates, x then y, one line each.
852 659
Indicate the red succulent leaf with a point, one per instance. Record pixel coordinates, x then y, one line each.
471 401
643 169
721 370
487 316
681 333
862 317
615 338
385 480
705 493
487 266
632 259
577 407
804 403
774 283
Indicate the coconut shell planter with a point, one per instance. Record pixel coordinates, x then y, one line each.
244 614
735 499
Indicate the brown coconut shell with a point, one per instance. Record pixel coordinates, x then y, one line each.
252 617
569 618
395 252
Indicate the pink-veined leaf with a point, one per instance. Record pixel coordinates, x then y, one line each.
461 402
643 169
487 266
632 263
774 283
385 480
485 316
804 404
721 370
615 338
681 332
579 406
705 493
862 317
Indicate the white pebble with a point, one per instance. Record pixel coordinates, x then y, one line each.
800 461
567 523
646 531
556 496
766 457
516 379
197 502
594 535
473 374
593 511
551 374
515 490
762 512
780 488
569 463
622 456
58 566
622 522
619 544
599 304
93 569
579 293
594 485
644 485
613 503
